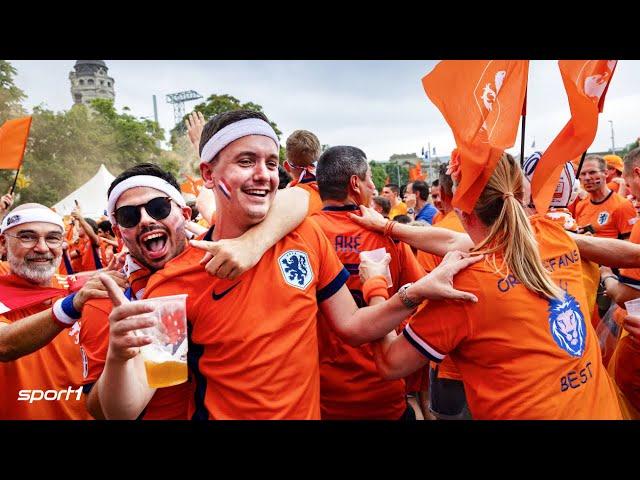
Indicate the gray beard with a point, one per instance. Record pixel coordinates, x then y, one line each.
38 274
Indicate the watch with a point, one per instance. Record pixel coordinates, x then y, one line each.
402 292
411 211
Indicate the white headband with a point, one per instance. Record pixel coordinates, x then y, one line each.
142 181
231 133
31 215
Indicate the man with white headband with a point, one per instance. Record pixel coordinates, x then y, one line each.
41 373
253 349
149 214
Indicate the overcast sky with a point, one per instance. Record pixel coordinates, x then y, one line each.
379 106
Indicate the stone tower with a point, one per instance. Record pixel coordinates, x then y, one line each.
89 80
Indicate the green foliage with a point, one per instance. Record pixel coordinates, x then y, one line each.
380 172
10 94
216 104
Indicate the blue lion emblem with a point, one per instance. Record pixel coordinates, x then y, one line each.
567 325
603 217
295 268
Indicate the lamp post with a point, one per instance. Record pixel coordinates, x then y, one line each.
613 145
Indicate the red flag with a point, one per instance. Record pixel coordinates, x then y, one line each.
586 83
13 141
16 292
482 101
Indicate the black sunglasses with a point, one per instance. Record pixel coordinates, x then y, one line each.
129 216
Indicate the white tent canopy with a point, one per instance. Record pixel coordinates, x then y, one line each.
92 196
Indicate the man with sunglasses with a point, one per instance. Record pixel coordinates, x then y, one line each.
149 214
41 373
253 347
303 151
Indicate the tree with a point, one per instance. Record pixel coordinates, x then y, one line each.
216 104
378 175
10 95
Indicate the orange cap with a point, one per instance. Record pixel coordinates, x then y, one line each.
614 161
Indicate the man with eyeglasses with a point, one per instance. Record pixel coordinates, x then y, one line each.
253 347
149 214
41 369
303 151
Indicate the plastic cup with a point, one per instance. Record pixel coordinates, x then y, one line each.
378 256
633 307
165 360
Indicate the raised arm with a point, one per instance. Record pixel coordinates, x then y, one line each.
122 390
608 251
358 326
93 236
429 239
230 258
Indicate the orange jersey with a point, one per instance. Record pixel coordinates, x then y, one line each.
590 270
522 356
166 404
46 384
611 218
400 209
350 385
437 217
253 346
429 261
615 186
310 185
4 268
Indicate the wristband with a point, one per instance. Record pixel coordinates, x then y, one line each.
64 313
388 228
608 276
375 287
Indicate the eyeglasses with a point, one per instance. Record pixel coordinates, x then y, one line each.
30 240
129 216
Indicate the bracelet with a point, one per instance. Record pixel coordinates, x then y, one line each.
388 228
608 276
64 313
375 287
410 304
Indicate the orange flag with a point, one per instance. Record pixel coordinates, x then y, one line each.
192 186
13 141
415 173
586 83
482 101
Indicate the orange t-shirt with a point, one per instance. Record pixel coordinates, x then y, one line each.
4 268
429 261
437 217
611 218
522 356
168 403
350 385
311 186
46 384
615 186
253 346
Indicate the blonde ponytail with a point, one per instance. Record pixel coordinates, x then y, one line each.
500 207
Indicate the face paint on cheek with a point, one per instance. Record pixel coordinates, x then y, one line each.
224 188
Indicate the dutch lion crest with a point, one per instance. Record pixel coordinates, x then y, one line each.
296 269
603 217
567 325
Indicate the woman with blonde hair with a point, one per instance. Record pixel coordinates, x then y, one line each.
526 349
